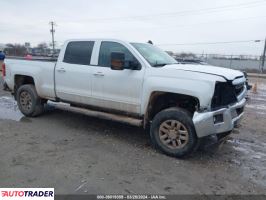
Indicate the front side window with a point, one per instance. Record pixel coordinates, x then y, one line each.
155 56
78 52
105 54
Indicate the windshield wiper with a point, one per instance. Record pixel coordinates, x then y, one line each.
163 64
159 65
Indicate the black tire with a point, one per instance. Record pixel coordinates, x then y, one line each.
179 115
36 106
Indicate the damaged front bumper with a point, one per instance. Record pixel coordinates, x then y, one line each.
219 121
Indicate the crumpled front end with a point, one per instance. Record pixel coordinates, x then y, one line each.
227 109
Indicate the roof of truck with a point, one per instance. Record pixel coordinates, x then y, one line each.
97 39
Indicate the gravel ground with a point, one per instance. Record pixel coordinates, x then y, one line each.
77 154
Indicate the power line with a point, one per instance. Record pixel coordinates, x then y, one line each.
182 13
211 43
179 26
212 22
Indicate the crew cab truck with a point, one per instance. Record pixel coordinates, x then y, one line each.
135 83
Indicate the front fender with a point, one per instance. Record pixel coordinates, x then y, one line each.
202 90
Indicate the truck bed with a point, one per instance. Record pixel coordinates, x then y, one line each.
42 71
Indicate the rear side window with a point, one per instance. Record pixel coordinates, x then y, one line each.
78 52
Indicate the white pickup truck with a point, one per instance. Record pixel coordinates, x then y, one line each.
135 83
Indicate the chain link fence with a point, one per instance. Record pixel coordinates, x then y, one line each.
248 63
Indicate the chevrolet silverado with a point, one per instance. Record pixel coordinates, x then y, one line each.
135 83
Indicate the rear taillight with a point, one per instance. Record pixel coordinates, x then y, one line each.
4 69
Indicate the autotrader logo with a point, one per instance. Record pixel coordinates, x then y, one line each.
27 193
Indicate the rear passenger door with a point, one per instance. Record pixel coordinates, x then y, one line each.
73 73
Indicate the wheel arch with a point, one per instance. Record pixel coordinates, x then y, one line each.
159 101
20 80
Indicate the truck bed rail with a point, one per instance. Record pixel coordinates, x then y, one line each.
34 58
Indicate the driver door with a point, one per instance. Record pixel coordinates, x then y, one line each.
117 89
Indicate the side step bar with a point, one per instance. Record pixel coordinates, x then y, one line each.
98 114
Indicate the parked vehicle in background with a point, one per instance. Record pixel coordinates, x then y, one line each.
135 83
2 55
2 58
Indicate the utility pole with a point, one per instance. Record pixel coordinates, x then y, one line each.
263 56
53 31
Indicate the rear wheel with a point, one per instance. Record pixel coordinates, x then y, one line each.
172 131
29 103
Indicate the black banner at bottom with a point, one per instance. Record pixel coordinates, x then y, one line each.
159 197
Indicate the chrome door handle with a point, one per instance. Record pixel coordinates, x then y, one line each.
61 70
98 74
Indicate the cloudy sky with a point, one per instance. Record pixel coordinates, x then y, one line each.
172 24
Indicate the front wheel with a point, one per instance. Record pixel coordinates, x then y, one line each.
29 103
172 132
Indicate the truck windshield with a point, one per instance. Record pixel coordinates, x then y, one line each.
155 56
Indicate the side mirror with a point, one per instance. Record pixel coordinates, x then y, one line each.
117 61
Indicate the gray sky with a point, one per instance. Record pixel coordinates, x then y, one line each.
162 21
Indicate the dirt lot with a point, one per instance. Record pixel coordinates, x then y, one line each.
75 153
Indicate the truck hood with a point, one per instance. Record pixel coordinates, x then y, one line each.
228 74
